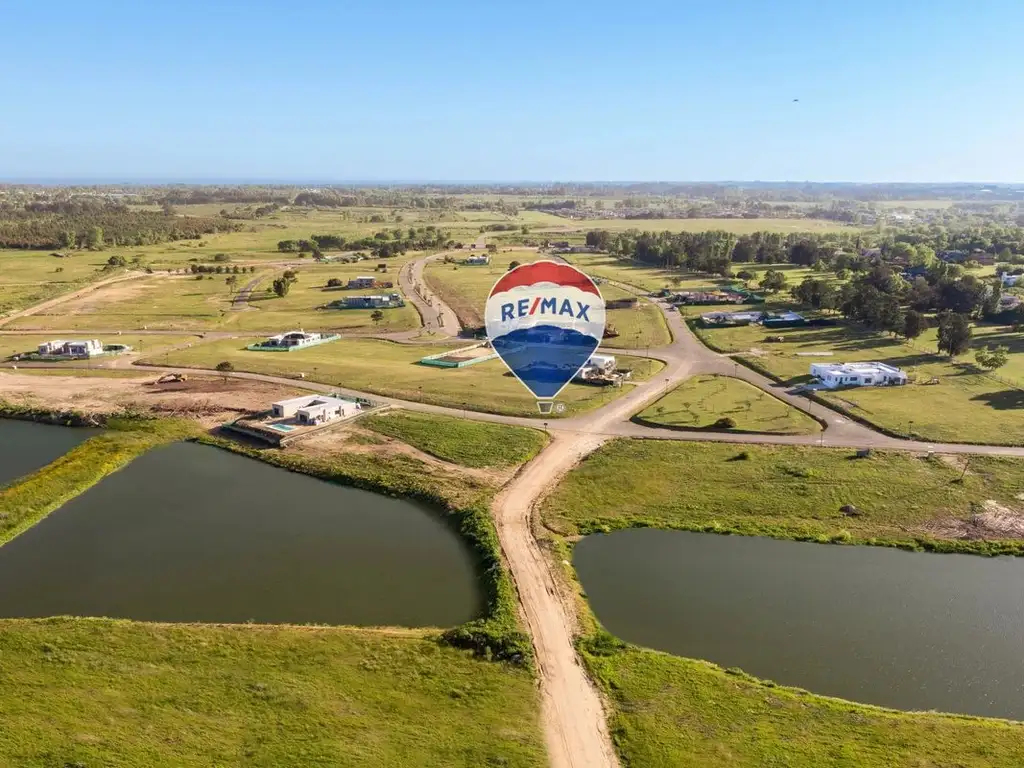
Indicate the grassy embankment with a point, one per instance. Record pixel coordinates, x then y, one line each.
29 500
671 711
962 405
784 492
390 370
701 401
469 443
136 693
465 290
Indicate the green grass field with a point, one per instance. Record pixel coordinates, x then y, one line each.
671 712
780 491
469 443
117 693
701 401
465 290
163 302
964 405
390 369
739 226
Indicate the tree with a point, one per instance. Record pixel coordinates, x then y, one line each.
225 367
291 275
376 316
67 239
991 358
513 264
94 239
334 283
914 324
287 246
231 281
745 275
117 261
773 281
954 333
281 286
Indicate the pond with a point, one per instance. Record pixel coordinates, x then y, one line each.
906 630
189 532
26 446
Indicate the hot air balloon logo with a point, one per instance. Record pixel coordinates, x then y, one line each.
545 320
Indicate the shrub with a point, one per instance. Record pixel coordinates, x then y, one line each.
225 366
726 422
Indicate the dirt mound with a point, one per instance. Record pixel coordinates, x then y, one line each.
995 521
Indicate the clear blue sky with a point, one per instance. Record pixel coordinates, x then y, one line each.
904 90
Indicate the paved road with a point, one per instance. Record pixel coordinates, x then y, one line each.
437 316
241 300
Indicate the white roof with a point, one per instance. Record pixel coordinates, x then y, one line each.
857 369
307 400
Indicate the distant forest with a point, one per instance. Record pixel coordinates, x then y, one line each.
97 225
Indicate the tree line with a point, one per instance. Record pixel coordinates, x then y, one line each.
382 244
98 228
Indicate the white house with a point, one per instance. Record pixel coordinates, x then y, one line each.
480 260
86 348
293 339
315 409
596 366
1010 280
872 374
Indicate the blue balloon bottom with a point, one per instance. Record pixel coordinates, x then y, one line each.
545 357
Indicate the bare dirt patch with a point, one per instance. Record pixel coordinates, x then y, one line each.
96 301
993 521
210 399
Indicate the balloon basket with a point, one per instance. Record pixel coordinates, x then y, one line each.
546 407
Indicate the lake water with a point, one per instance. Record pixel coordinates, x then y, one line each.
906 630
189 532
26 446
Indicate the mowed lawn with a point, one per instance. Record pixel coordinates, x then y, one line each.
670 712
465 290
183 302
392 370
469 443
949 401
781 491
701 401
125 694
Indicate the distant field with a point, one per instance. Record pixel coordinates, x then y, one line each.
699 402
183 302
739 226
126 694
963 405
391 369
465 289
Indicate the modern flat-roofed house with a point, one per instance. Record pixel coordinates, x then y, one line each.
85 348
478 260
315 409
384 301
731 318
1010 280
872 374
293 339
363 281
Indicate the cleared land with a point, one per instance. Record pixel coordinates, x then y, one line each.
790 492
182 302
951 401
465 290
469 443
130 694
390 369
672 712
700 402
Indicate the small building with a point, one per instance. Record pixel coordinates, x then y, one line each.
783 320
363 281
477 260
1008 302
1010 280
293 339
720 319
62 348
315 409
871 374
384 301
